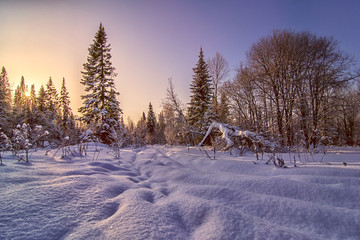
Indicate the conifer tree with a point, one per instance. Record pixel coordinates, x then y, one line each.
143 118
5 90
5 99
31 109
37 107
199 109
151 125
33 100
41 99
151 120
100 107
21 104
51 116
140 131
51 100
19 96
65 110
224 111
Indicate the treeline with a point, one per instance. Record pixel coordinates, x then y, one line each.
297 88
294 88
47 108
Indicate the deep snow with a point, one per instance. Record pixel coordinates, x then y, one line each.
167 193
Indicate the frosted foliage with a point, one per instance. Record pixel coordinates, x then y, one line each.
99 103
23 140
87 136
199 108
228 132
21 136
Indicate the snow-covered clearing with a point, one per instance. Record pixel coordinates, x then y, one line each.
168 193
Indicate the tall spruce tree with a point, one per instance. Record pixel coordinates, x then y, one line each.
5 90
40 112
151 120
33 99
31 110
65 110
200 106
19 96
41 99
140 131
151 126
5 99
223 108
51 101
100 108
21 103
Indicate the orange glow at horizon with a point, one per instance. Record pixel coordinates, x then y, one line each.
151 41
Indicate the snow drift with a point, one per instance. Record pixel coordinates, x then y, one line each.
168 193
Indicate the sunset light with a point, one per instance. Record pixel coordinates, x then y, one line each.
152 40
179 119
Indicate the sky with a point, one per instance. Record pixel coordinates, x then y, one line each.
154 40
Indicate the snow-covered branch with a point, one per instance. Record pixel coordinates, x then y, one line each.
229 133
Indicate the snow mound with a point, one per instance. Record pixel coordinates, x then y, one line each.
172 193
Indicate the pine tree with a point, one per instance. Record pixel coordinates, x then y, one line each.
200 106
51 101
41 99
65 110
143 118
19 96
52 114
39 112
139 135
5 99
151 120
33 100
100 107
224 111
151 125
31 110
5 90
21 104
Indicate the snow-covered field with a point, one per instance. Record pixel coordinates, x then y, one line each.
168 193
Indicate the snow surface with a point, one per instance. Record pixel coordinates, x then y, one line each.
167 193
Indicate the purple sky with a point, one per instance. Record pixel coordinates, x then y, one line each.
154 40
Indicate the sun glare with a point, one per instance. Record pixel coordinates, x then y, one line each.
27 94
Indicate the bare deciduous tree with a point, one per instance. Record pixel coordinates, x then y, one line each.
218 69
289 81
177 129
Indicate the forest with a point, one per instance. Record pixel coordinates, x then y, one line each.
295 88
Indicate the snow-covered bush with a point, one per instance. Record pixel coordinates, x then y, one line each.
24 138
5 144
119 137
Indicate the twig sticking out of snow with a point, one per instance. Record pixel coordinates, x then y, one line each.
85 137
